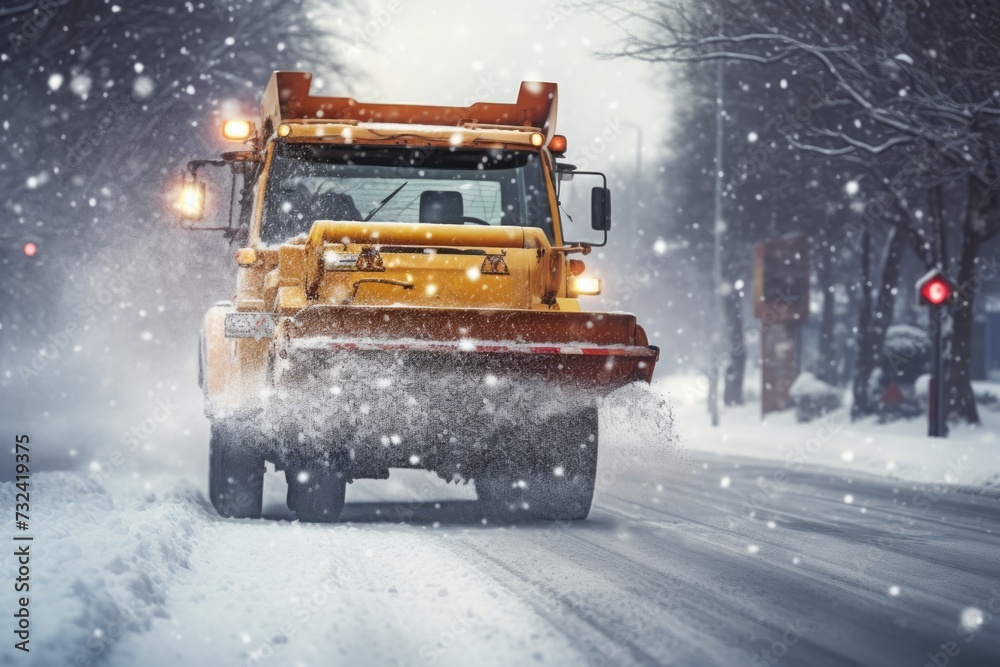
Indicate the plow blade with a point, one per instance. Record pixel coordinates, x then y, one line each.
598 352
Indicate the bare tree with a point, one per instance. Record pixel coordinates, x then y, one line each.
103 100
914 87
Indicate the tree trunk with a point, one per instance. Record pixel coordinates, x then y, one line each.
733 392
885 306
828 368
863 368
961 399
872 326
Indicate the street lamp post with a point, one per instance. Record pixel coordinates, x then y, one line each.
718 307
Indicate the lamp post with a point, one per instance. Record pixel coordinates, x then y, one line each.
717 227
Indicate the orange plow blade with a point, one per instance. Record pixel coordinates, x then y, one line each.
597 352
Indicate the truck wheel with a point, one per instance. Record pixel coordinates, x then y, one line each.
564 490
316 495
235 475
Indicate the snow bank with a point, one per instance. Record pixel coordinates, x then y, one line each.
101 564
812 397
970 456
808 385
145 574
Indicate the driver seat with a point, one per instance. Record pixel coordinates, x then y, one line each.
441 206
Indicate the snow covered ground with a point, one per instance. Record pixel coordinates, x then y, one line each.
900 450
147 575
689 557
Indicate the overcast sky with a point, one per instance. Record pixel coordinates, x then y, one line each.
455 52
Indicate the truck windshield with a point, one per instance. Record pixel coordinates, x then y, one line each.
310 182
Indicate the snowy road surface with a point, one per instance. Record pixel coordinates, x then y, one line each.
669 569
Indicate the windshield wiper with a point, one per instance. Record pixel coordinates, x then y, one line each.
385 201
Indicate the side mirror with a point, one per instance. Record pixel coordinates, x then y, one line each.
600 209
191 202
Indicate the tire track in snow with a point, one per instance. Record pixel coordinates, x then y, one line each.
590 597
831 578
280 593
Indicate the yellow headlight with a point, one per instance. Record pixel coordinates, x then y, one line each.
284 130
537 139
191 202
246 256
585 286
237 130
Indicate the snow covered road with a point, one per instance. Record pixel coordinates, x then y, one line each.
669 569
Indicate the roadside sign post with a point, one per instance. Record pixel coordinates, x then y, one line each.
934 290
781 303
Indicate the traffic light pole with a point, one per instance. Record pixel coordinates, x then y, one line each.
937 423
934 290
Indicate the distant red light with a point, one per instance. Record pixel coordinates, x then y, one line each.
936 291
30 249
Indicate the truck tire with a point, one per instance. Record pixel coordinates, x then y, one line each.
316 495
235 475
563 492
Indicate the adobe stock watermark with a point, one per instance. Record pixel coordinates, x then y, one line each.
58 343
132 440
36 21
597 146
768 488
304 610
779 648
694 392
365 35
641 275
484 90
431 652
622 636
986 270
972 621
103 638
562 11
922 500
787 123
124 107
878 206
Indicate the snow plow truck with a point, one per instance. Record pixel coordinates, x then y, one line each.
406 297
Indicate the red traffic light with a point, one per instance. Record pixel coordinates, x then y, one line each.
30 249
934 289
936 292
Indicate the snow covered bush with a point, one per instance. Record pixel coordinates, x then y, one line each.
987 399
812 397
906 353
922 387
892 386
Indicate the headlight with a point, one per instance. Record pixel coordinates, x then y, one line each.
246 256
191 202
585 286
237 130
